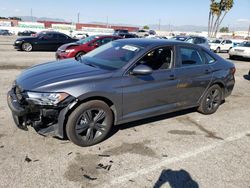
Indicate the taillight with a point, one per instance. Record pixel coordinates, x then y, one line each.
232 70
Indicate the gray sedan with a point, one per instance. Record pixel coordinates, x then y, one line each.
122 81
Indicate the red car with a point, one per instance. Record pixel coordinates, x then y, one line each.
83 46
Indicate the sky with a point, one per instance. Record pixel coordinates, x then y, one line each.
134 12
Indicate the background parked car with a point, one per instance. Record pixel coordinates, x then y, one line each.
222 45
48 41
127 35
180 38
119 32
202 41
242 50
142 33
5 32
26 33
80 35
83 46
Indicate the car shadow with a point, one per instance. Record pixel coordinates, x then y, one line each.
129 125
239 59
247 77
176 179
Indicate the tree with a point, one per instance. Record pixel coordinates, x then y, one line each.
217 12
224 30
145 27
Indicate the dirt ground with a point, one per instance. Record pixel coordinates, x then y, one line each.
184 148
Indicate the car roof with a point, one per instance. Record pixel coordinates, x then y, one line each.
152 42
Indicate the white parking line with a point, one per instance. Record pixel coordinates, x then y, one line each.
168 161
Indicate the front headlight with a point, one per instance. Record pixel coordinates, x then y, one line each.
69 50
46 98
18 41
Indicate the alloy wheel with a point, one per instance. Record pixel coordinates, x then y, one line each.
213 99
27 47
91 125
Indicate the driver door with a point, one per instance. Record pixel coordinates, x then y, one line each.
146 95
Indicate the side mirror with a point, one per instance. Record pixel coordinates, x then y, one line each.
142 70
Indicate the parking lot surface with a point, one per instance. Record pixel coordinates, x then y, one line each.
173 150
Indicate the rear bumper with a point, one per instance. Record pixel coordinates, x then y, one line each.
46 121
239 54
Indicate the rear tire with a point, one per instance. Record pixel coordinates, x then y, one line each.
27 47
89 123
211 100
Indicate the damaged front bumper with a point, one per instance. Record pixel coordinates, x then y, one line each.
46 120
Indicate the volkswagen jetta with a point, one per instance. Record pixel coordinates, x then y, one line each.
119 82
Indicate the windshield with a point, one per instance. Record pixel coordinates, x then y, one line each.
216 41
86 40
111 56
245 44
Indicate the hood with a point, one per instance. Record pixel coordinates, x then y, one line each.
52 76
26 38
66 46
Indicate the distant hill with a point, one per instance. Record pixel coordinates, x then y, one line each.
187 28
29 18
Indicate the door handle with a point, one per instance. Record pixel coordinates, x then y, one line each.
207 71
171 77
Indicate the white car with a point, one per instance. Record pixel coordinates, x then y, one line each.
242 50
80 35
221 45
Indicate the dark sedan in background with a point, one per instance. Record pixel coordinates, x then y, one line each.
26 33
44 41
121 81
83 46
5 32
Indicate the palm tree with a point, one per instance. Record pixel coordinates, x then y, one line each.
217 9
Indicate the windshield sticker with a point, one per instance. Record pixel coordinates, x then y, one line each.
130 48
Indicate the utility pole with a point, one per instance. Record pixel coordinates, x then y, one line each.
31 14
159 27
248 31
107 22
78 17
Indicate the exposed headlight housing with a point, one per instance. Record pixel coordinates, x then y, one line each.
69 50
46 98
18 41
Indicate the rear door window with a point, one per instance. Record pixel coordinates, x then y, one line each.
208 58
190 57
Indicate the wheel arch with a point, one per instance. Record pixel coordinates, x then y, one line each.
222 86
106 100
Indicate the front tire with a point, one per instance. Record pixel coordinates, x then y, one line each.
89 123
231 57
79 54
27 47
211 100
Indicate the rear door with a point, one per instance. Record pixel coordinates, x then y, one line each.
194 75
60 40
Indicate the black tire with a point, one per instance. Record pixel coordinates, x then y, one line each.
27 47
211 100
217 50
231 57
89 123
79 54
